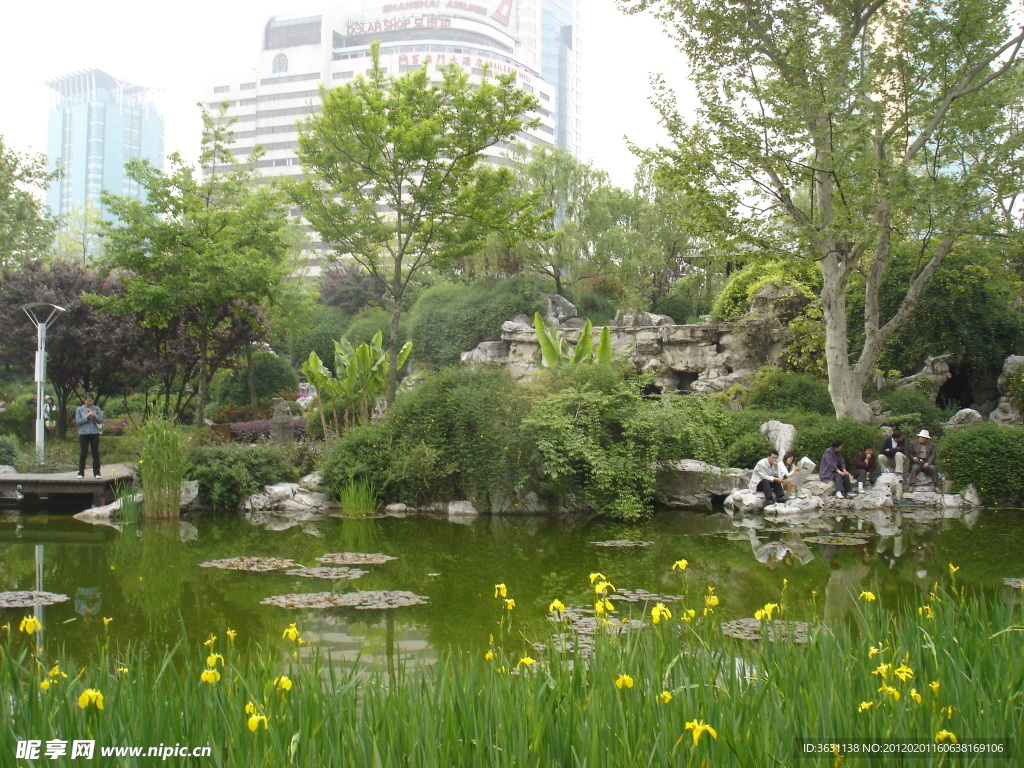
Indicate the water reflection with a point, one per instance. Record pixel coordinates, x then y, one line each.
147 577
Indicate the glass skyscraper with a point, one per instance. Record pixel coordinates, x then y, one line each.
97 124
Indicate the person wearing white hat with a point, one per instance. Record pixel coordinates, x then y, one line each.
922 459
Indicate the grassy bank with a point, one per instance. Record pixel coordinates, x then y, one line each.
945 671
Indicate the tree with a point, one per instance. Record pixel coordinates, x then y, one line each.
393 175
85 350
876 130
26 229
197 249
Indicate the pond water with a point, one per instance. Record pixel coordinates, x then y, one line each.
147 577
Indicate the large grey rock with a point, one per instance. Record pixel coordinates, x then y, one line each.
693 483
779 434
632 318
1006 413
312 482
744 502
461 508
7 469
189 493
963 417
783 302
933 374
556 309
280 491
486 353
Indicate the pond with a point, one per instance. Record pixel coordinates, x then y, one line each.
147 577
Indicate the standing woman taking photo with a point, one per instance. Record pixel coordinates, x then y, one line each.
89 417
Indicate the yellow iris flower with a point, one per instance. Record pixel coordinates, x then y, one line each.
865 706
500 590
766 612
45 685
107 621
213 658
510 603
489 655
698 728
56 672
903 672
210 676
255 720
926 611
29 625
603 586
250 709
867 597
934 685
659 612
874 650
283 683
689 615
711 600
595 576
209 642
556 606
890 691
883 671
603 606
680 564
665 696
623 681
231 635
948 711
953 569
915 695
525 661
90 696
291 632
945 735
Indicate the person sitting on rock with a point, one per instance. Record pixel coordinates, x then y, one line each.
892 456
766 478
922 459
865 468
833 470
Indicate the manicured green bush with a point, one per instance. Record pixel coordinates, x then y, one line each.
734 299
448 320
814 435
989 456
597 308
19 420
227 474
272 374
912 411
747 450
365 325
777 390
327 326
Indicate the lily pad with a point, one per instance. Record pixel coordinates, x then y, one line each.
29 599
622 543
362 601
777 630
839 539
1015 583
354 558
323 572
258 564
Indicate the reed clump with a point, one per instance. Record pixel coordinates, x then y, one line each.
162 467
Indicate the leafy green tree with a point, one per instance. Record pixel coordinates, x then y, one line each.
874 130
197 248
26 229
393 177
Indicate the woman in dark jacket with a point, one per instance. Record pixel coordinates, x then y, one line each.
865 467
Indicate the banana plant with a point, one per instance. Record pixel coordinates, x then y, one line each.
362 373
556 352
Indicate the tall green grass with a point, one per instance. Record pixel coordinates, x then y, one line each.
469 710
358 498
162 467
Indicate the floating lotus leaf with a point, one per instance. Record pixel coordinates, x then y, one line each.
777 630
29 599
363 601
642 595
839 539
250 564
327 573
354 558
622 543
1015 583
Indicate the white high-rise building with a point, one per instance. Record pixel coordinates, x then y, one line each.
535 39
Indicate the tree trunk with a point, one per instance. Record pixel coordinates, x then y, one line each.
845 384
250 376
393 354
204 341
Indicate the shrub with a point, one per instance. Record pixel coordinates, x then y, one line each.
912 411
364 326
162 467
448 320
19 420
748 450
815 435
596 307
228 474
9 448
273 375
777 390
734 299
989 456
327 326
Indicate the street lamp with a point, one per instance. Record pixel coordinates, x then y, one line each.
35 311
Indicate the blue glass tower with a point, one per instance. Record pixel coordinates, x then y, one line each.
97 124
556 57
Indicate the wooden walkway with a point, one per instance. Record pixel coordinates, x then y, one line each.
30 487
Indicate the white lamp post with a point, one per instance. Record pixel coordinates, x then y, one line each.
35 312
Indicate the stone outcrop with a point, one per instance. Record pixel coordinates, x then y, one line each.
1006 412
779 434
691 483
962 418
703 357
933 374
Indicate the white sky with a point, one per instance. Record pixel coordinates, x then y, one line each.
183 48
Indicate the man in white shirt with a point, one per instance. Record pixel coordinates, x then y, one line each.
767 479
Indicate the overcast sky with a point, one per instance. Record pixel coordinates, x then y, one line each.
185 47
